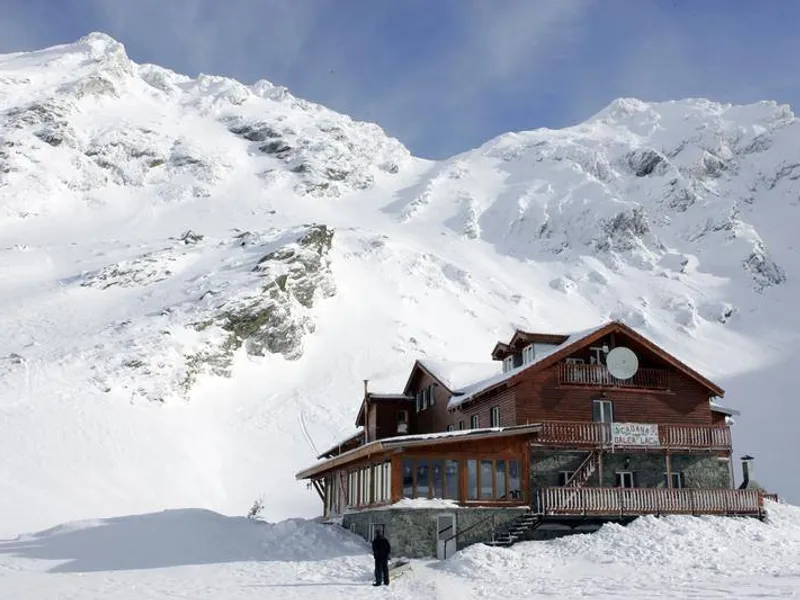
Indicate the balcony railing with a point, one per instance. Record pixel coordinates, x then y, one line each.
634 435
646 501
598 375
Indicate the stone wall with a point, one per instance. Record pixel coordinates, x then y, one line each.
546 466
412 531
700 471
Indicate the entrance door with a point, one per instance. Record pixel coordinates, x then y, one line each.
445 536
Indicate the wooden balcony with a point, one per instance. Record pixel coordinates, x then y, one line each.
646 501
588 435
598 375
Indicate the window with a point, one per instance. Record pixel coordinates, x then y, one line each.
461 424
493 479
472 479
431 395
402 416
602 411
408 478
486 474
508 363
514 480
528 354
351 489
451 479
675 480
450 427
598 354
494 417
500 480
624 479
564 477
473 422
418 398
423 478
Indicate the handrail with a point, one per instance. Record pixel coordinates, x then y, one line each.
599 434
598 375
643 501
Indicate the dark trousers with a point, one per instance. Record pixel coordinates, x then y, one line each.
382 569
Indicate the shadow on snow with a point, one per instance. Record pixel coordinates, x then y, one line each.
179 538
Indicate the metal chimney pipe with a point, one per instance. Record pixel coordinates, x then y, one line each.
366 411
746 471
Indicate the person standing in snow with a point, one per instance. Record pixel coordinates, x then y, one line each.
381 548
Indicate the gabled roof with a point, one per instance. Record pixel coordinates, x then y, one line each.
571 343
452 375
521 337
378 397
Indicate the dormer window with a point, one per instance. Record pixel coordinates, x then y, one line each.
508 363
528 354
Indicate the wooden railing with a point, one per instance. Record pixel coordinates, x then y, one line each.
651 379
645 501
590 434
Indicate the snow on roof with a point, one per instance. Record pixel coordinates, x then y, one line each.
722 409
382 396
476 388
459 375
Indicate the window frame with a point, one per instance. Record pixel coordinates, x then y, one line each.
669 480
619 479
494 415
476 420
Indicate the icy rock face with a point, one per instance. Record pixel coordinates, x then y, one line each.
632 184
264 309
102 123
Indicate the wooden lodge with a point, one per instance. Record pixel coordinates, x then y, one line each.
559 431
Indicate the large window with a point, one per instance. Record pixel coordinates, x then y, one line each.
430 478
369 485
489 479
473 422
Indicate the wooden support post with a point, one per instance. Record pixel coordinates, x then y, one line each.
668 460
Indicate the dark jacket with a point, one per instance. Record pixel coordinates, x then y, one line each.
381 548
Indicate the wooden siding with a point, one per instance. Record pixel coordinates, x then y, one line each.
505 400
540 396
431 419
383 415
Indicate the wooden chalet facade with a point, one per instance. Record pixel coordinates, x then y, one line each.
546 428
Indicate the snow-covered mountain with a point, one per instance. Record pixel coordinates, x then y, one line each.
196 275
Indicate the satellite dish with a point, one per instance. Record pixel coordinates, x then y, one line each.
622 363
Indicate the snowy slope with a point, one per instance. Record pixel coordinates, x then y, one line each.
196 275
201 555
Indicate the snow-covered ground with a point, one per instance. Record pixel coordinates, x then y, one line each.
179 328
201 555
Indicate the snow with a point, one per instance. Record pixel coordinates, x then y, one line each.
202 555
676 217
470 391
458 375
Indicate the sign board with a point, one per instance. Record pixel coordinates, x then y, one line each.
634 434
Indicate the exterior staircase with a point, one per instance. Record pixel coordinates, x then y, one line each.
584 471
516 530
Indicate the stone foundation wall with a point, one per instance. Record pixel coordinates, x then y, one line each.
700 471
412 531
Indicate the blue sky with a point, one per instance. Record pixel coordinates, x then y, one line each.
444 76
